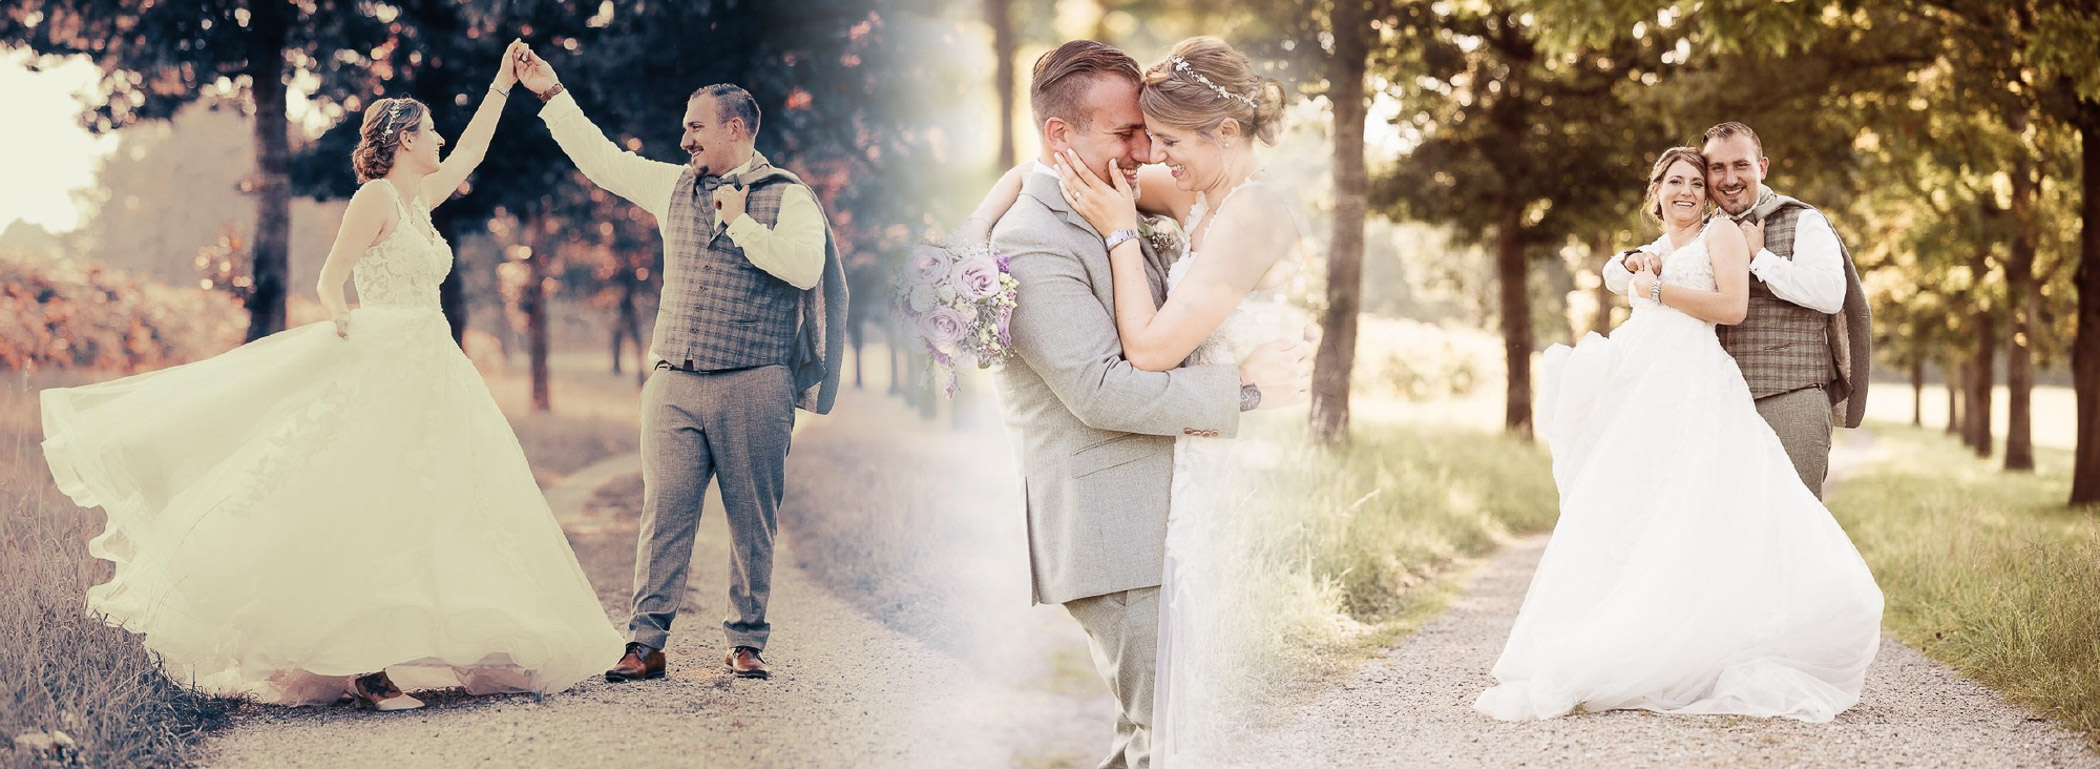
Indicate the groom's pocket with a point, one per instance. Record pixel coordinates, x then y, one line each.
1114 452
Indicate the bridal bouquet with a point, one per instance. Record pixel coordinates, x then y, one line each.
959 299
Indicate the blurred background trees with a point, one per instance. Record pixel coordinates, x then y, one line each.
1469 164
834 80
1507 143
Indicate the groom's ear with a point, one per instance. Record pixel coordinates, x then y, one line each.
1056 134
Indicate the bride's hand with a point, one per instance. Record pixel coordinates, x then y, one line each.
1643 282
507 71
342 325
1108 206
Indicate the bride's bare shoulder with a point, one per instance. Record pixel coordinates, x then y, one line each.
374 205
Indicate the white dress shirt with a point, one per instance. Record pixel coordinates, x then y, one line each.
793 250
1814 278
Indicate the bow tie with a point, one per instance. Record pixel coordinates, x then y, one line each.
709 183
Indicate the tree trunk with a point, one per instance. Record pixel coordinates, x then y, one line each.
1336 358
999 14
624 327
896 353
2085 346
1516 317
1980 377
857 335
271 23
1952 369
2021 298
1600 323
534 298
452 295
1917 391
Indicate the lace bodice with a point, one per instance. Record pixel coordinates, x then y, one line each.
1690 266
404 268
1260 318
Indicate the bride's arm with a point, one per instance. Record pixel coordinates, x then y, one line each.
1157 194
1730 299
997 201
363 222
1238 251
473 142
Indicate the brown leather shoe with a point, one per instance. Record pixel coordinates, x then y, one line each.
640 663
745 663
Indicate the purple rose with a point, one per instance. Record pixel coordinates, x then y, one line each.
976 277
943 327
928 265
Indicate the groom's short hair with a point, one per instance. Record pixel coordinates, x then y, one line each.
1732 129
733 103
1061 77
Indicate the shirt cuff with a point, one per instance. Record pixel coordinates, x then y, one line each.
743 227
1763 260
561 106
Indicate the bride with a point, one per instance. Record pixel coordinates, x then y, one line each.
1691 571
339 507
1205 108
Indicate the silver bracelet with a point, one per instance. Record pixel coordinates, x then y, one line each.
1656 293
1116 238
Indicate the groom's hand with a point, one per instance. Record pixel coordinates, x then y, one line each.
1640 260
534 72
1282 370
729 199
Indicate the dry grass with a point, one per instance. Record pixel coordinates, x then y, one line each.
62 669
1335 552
1986 571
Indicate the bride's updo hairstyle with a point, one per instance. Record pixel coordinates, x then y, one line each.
385 121
1203 82
1652 206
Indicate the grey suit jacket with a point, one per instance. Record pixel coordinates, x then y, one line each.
1094 434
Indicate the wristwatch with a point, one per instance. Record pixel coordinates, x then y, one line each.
551 92
1250 397
1116 238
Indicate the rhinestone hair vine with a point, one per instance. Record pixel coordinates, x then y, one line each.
393 113
1182 65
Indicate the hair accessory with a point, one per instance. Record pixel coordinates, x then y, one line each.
393 113
1182 65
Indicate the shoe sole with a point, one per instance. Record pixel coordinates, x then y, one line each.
614 678
758 674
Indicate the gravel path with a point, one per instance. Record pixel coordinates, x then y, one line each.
846 691
1413 708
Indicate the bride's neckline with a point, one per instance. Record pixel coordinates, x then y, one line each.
1200 211
1696 231
422 225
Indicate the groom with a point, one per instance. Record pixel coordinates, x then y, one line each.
1803 346
1095 434
749 328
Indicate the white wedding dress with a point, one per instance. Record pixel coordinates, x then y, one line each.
1195 663
308 508
1690 571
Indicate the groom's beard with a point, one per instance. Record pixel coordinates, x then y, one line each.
1736 202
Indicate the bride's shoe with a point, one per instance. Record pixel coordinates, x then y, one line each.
377 692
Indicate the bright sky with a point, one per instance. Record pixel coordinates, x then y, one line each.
45 151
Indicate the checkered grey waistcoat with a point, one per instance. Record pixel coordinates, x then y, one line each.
719 311
1780 346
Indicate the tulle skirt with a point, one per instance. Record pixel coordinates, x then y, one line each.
307 508
1690 571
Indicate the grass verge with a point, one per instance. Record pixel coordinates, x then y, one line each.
1335 552
63 670
1986 571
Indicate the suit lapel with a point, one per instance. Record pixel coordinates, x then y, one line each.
1044 189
